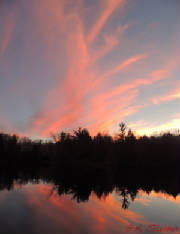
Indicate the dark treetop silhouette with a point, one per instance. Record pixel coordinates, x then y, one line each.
126 150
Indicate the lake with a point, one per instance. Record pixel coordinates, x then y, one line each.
39 207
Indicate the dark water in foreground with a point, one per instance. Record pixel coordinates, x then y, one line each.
38 208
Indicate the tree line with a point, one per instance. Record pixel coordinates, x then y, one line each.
80 150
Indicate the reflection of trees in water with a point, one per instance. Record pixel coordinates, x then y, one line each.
126 196
81 184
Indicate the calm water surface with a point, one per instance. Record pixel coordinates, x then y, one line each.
38 208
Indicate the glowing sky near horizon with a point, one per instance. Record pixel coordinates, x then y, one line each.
89 63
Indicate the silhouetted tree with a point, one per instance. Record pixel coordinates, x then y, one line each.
82 135
123 129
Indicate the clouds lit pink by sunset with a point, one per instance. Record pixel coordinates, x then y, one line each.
91 63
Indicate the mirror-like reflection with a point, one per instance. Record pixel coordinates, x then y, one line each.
38 208
80 184
68 200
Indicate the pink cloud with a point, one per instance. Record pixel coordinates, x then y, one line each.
67 103
7 34
175 94
120 67
75 92
110 6
78 81
110 42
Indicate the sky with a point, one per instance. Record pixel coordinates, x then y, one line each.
66 64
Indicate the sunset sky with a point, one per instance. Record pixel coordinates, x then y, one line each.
89 63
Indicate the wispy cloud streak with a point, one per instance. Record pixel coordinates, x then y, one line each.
110 6
7 34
